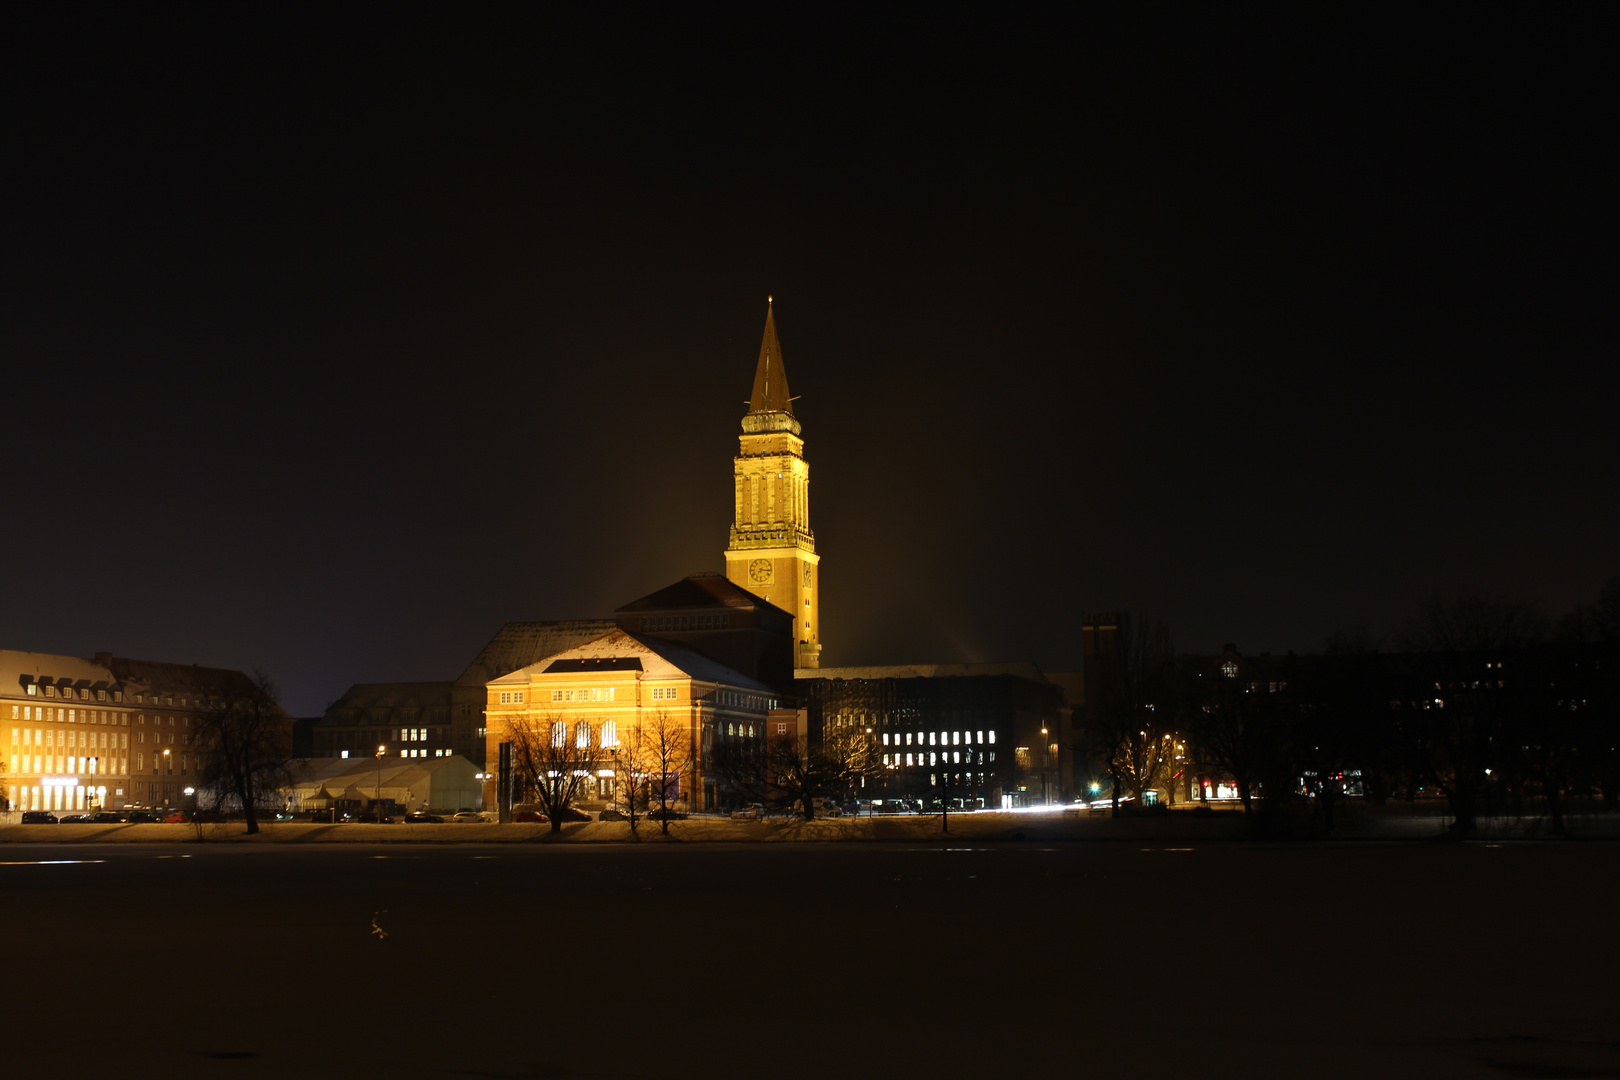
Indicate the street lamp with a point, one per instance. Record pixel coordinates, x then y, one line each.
377 809
1046 791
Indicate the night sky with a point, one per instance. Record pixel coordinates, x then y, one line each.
337 336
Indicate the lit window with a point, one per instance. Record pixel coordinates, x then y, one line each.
582 735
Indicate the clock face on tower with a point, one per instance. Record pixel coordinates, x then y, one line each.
759 571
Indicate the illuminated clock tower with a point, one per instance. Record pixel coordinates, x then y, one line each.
772 552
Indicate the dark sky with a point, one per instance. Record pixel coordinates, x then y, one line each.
335 337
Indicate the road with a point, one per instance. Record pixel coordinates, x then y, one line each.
586 962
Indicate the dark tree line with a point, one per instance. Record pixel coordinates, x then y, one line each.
1479 700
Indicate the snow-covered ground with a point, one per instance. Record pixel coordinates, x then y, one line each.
1355 822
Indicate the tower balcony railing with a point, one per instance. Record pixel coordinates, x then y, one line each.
772 536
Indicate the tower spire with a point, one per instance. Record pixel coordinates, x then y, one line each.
770 377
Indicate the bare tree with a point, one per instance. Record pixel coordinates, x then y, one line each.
244 744
802 771
1458 701
739 762
1134 707
666 747
552 760
629 759
1230 727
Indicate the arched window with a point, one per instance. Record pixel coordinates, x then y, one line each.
582 734
559 733
610 733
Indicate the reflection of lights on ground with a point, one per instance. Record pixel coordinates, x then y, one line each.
52 862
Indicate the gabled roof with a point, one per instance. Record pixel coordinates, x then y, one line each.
519 644
364 698
371 695
658 659
159 676
18 668
770 377
698 592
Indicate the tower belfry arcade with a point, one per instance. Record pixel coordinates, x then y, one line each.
772 552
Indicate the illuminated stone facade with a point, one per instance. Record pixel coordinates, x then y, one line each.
603 693
102 733
772 551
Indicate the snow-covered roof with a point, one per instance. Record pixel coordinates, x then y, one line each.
659 659
519 644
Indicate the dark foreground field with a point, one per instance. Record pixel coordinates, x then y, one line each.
569 962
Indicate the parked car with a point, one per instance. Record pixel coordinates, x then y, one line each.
38 817
751 812
73 819
107 817
669 814
371 817
613 815
422 817
136 817
467 815
330 816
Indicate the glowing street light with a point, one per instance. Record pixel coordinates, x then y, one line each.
381 750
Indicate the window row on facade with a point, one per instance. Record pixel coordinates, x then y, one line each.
947 757
942 738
